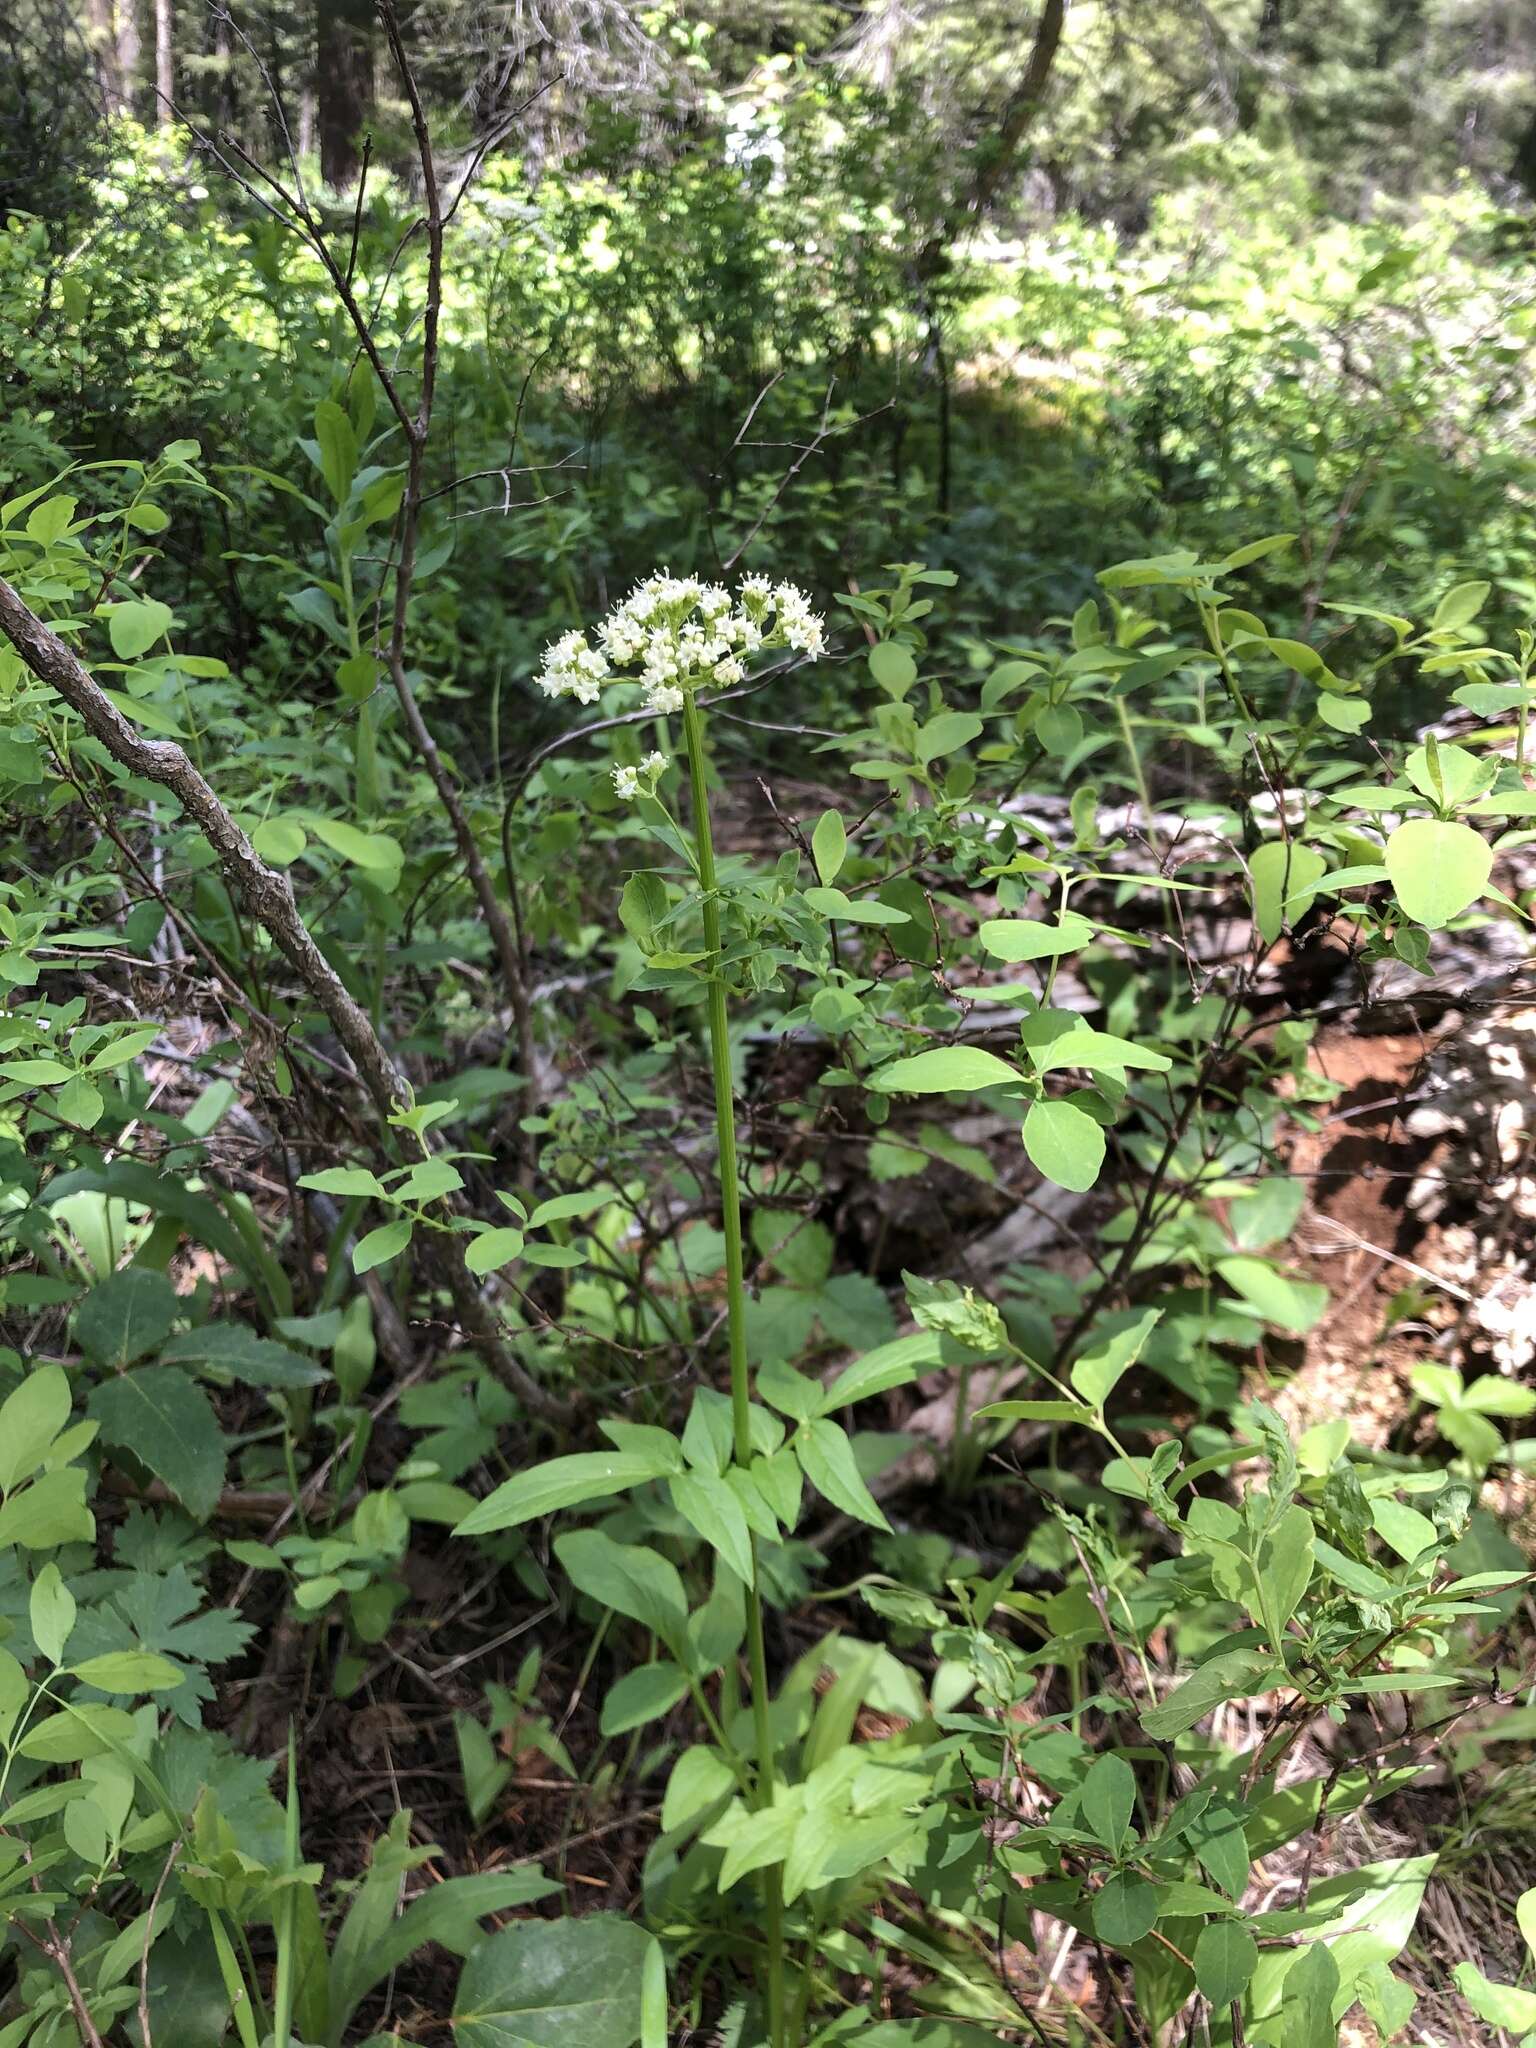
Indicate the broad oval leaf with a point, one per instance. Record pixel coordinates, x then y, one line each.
1125 1909
1226 1956
554 1984
1438 868
1065 1143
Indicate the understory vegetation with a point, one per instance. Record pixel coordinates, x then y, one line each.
767 1049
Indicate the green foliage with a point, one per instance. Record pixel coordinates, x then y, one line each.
1082 811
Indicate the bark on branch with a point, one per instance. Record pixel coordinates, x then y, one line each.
268 896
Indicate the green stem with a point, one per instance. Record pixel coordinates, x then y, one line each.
736 1325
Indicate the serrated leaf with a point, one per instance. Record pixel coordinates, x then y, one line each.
127 1316
167 1422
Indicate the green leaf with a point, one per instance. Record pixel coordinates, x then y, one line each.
1344 714
756 1841
554 1984
1293 1305
1097 1372
1226 1956
628 1578
129 1671
1106 1799
1285 1570
944 734
827 1460
1283 873
926 2033
642 1695
561 1483
1237 1674
654 2014
1255 550
1460 605
338 448
166 1421
946 1069
1437 869
701 1778
1501 2005
829 847
892 667
344 1180
1018 939
707 1504
832 903
375 1939
255 1361
51 1613
135 627
126 1316
1099 1052
895 1364
375 853
493 1248
49 1512
31 1417
1125 1909
279 841
1220 1842
1525 1917
1404 1529
1035 1411
381 1245
1059 728
1065 1143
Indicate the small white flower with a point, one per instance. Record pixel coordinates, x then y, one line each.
630 783
674 633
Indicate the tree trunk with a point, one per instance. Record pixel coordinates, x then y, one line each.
1523 168
165 64
102 30
129 50
344 85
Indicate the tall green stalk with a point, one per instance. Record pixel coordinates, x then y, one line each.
736 1325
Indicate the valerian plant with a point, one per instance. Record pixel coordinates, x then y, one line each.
1318 1588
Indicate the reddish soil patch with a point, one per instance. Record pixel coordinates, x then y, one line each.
1357 1235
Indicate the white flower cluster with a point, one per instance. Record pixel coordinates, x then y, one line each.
640 781
680 633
